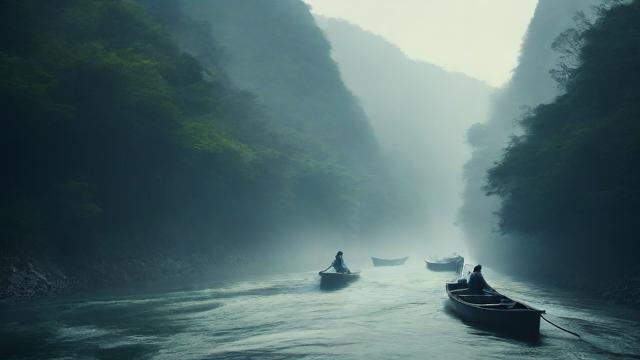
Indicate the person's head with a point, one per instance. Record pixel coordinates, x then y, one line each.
477 268
339 254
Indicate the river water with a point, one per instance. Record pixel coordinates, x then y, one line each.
389 313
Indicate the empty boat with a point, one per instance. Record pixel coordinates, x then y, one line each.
388 262
454 263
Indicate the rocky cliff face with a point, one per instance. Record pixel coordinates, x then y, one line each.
20 278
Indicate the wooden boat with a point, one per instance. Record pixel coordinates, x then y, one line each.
494 310
388 262
333 280
447 264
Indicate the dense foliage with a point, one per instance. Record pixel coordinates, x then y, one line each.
116 143
530 86
569 184
276 51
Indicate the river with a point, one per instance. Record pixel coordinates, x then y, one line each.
389 313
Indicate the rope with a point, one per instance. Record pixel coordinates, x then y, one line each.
617 354
545 319
559 327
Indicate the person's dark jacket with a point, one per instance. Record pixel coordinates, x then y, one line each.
339 265
476 282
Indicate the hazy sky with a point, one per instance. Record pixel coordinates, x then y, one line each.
480 38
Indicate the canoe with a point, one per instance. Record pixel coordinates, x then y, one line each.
388 262
333 280
494 310
447 264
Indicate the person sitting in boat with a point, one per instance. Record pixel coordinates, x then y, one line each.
476 280
339 264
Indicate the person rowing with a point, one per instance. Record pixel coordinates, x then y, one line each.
475 285
339 265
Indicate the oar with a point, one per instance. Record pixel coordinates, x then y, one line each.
329 267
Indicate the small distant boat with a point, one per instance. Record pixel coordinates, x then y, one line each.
388 262
333 280
494 310
447 264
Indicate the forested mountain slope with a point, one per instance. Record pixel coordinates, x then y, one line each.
569 183
276 51
128 160
530 85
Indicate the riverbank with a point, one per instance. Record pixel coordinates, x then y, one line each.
24 278
389 313
27 278
625 292
620 289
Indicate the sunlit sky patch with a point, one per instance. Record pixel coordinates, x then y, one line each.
480 38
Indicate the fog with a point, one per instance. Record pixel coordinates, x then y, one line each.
208 138
419 113
390 128
382 122
479 38
178 176
530 86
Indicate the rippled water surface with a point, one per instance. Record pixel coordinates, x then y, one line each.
389 313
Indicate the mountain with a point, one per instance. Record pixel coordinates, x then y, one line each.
530 85
275 51
568 184
135 150
418 112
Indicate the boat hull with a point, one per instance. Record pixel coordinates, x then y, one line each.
388 262
454 265
521 322
331 281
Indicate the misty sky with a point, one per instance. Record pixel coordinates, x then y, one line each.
480 38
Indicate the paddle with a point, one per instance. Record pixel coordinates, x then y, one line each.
329 267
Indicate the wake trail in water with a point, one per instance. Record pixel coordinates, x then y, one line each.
389 313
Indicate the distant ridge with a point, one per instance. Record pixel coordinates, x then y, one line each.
419 113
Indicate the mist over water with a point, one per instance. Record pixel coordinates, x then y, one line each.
390 313
177 172
419 113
